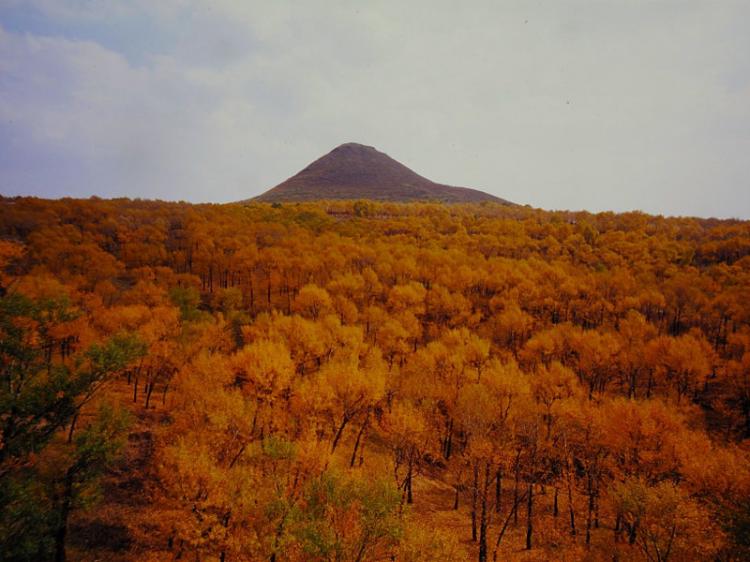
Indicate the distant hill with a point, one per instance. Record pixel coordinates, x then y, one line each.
356 171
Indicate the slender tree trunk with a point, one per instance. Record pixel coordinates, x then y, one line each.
409 477
448 441
516 490
289 299
571 509
72 427
483 519
529 515
555 506
504 528
225 524
149 391
596 509
474 498
498 489
252 296
62 527
277 538
618 528
338 433
589 514
632 532
362 449
359 438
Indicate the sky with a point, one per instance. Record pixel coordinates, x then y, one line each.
559 104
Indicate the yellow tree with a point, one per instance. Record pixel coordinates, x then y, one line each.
347 387
312 302
667 524
409 439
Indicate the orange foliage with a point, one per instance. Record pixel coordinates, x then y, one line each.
417 382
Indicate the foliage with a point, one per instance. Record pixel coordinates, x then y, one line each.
354 380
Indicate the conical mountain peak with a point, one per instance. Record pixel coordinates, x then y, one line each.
354 146
358 171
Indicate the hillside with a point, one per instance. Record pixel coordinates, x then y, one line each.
356 171
416 383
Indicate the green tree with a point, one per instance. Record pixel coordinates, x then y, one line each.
95 449
348 518
40 394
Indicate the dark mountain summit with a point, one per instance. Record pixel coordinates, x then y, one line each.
356 171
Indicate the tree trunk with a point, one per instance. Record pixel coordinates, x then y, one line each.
504 528
571 510
289 299
359 438
225 524
618 528
632 532
62 527
149 391
409 476
483 519
529 515
596 509
252 296
362 449
555 506
448 441
515 490
338 433
498 489
474 497
589 514
72 427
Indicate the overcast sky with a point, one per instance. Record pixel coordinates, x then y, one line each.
560 104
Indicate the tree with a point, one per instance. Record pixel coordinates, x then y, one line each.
312 302
409 440
347 386
38 395
666 524
682 363
95 449
347 518
634 331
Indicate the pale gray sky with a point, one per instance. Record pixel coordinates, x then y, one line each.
598 104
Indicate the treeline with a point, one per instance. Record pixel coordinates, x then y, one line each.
580 382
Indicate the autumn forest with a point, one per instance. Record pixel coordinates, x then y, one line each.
363 381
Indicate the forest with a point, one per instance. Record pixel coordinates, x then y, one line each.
361 381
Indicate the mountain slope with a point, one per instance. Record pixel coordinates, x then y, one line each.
356 171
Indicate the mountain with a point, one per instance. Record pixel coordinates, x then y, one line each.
356 171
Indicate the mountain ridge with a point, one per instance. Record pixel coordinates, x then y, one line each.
358 171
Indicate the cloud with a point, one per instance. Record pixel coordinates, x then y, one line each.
597 105
160 130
